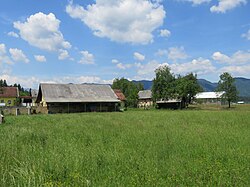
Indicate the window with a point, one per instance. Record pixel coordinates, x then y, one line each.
2 101
9 102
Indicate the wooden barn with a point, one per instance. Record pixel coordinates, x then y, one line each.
72 98
170 104
209 97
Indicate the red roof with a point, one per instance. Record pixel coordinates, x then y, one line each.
9 92
120 95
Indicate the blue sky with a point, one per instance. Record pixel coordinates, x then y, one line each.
96 41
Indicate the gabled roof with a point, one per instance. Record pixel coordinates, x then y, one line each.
209 95
34 93
120 95
9 92
145 94
61 93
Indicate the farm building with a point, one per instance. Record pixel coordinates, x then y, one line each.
209 97
121 97
70 98
145 99
34 94
9 96
170 104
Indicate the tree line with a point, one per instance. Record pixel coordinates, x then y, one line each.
167 85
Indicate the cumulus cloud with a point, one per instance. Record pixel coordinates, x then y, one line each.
162 52
196 2
115 61
239 57
246 35
13 34
225 5
42 31
139 57
199 66
63 54
40 58
176 53
235 70
3 55
87 58
18 55
147 70
123 66
165 33
113 19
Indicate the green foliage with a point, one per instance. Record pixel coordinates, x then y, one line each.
129 89
134 148
163 84
226 84
187 87
167 86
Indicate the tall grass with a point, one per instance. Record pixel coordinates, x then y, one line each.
133 148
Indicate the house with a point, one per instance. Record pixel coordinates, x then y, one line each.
9 96
34 94
121 97
209 97
69 98
145 99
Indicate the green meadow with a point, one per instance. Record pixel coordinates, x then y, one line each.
195 147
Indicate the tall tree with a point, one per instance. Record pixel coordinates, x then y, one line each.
226 84
163 84
187 87
129 89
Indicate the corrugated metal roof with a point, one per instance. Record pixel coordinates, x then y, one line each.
9 92
209 95
169 101
145 94
53 93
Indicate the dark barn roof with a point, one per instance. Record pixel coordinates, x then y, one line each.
120 95
9 92
73 93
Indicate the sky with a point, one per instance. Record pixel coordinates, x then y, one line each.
96 41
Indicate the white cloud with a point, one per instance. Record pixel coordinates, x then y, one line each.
87 58
199 66
113 19
42 31
3 55
40 58
139 57
246 35
115 61
240 57
33 82
63 54
147 71
225 5
162 52
18 55
196 2
13 34
165 33
237 70
123 66
175 53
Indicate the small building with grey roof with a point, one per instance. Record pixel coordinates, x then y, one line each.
71 98
145 99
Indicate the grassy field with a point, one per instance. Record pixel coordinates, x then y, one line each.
133 148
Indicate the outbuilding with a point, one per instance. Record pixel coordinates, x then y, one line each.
209 97
145 99
71 98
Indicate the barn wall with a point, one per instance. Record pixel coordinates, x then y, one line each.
80 107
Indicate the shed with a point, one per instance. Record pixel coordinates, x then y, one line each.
67 98
121 97
209 97
170 104
145 98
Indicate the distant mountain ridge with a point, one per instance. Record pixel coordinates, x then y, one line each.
242 85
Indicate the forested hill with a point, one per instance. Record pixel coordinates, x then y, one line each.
242 84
